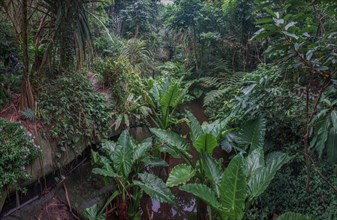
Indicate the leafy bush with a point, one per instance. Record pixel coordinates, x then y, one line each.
71 110
17 151
117 73
124 164
126 87
287 193
265 92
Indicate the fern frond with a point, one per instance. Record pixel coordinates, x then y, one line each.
214 95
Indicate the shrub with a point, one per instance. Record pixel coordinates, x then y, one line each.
71 109
287 192
17 151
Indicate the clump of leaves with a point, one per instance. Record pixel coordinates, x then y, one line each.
126 87
124 164
71 109
288 194
17 151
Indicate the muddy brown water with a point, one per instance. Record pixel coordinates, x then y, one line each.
186 205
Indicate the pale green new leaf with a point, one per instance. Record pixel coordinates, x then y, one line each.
180 174
206 142
234 188
204 193
294 216
155 187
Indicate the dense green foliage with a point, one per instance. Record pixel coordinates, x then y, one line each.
264 71
16 152
71 109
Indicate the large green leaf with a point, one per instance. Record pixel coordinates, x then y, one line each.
123 155
294 216
204 193
106 171
206 142
169 97
254 162
177 143
212 171
170 138
252 133
322 136
92 213
155 187
331 146
141 149
333 116
195 127
180 174
216 127
261 179
234 188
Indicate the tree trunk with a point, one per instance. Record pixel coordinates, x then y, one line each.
70 12
27 98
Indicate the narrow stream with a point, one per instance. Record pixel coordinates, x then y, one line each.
42 196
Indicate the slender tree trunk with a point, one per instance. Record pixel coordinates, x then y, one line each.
27 98
69 10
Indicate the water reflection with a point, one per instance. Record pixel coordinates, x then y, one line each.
185 208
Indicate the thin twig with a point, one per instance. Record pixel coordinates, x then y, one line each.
322 176
69 205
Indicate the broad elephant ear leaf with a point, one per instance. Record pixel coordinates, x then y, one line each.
123 155
252 133
170 138
294 216
206 142
261 179
180 174
195 127
204 193
141 149
254 162
169 97
234 188
106 171
212 171
177 143
155 187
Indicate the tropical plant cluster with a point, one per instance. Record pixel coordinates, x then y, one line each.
263 71
17 151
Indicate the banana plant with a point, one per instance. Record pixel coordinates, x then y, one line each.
124 163
163 98
227 192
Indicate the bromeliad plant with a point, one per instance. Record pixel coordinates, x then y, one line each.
124 163
227 192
